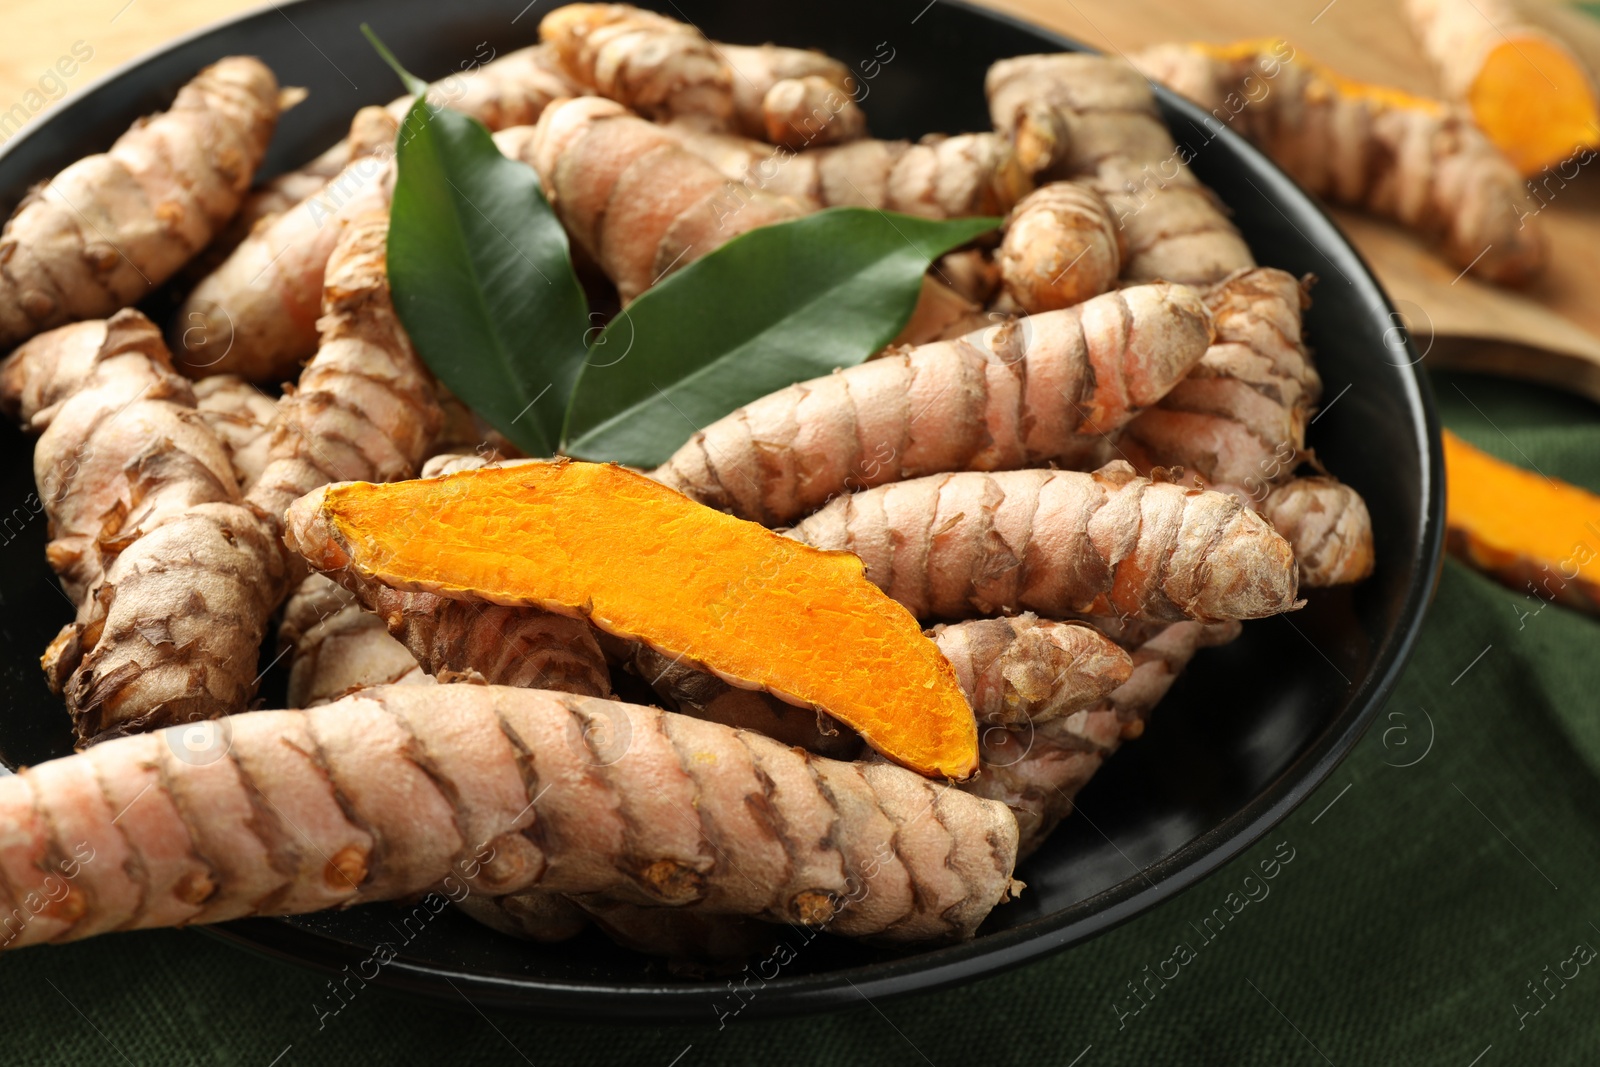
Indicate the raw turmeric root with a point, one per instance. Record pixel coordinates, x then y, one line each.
341 648
1092 118
1058 543
175 625
1061 247
512 90
937 177
647 62
149 530
241 416
1413 160
1531 533
634 199
941 313
1237 424
643 562
106 231
1239 416
1037 769
1328 526
1526 90
457 639
1011 671
372 133
972 273
792 96
683 688
1023 394
1160 653
338 646
365 407
667 70
509 91
811 110
256 314
296 811
1025 669
123 448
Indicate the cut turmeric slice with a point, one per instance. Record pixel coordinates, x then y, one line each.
644 562
1525 87
1537 535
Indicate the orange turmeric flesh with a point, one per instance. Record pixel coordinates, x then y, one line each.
1535 102
646 563
1536 535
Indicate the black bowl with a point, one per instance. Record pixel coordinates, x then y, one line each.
1244 737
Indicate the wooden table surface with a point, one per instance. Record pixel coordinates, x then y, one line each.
1364 39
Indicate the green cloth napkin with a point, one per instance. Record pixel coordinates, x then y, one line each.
1429 890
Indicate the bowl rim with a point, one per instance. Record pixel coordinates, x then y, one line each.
988 954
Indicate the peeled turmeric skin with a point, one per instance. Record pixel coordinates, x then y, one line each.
1094 119
106 231
1526 90
643 562
1059 543
485 789
1406 158
1533 534
1024 394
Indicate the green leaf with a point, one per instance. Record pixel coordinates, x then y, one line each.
777 305
414 85
482 278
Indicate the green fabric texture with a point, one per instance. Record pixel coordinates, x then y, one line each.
1428 889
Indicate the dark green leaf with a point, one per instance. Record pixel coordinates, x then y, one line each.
777 305
482 278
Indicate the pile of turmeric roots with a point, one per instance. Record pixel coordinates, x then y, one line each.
1085 462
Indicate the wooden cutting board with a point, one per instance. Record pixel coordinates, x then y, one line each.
1550 330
